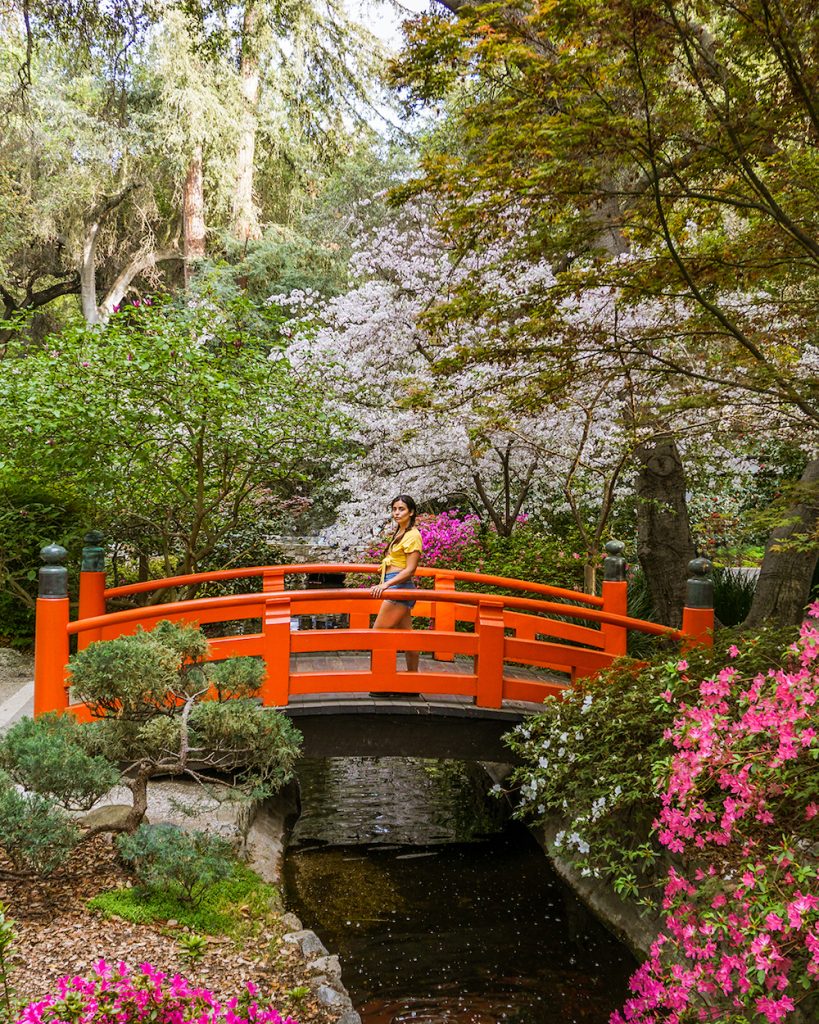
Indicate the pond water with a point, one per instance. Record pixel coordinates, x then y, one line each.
440 909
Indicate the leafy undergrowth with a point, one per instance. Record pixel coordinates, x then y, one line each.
239 907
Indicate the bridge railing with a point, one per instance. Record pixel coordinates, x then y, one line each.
559 630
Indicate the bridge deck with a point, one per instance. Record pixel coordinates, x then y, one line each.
421 725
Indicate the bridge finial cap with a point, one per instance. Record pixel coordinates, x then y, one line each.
53 576
700 566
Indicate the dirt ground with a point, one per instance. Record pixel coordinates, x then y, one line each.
56 934
15 670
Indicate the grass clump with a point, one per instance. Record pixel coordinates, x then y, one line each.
238 907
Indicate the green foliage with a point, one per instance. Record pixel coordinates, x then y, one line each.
48 755
192 946
592 758
196 399
132 676
527 554
259 745
170 859
29 519
733 595
6 951
236 677
34 834
237 906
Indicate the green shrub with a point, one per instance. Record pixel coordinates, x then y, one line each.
593 757
186 864
258 745
29 519
48 755
238 906
733 595
132 676
236 677
6 950
34 834
527 554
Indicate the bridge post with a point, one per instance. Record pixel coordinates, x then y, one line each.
490 652
273 581
51 633
275 690
615 598
92 585
445 612
698 614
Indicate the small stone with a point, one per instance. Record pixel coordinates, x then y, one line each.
172 923
328 965
349 1017
329 996
309 943
292 923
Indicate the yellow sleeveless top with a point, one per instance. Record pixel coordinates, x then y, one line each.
396 557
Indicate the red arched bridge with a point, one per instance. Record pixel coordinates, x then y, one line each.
491 653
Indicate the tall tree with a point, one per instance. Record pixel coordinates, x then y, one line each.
678 138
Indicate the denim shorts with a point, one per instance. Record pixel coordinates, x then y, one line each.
407 585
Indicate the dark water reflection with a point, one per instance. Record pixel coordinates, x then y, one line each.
442 930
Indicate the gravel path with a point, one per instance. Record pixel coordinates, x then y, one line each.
15 671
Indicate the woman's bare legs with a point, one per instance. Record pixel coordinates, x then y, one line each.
393 615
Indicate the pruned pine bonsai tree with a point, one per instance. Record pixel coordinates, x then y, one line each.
159 709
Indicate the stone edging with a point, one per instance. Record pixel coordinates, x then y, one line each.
264 848
324 969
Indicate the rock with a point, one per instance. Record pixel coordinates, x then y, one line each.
349 1017
329 996
328 965
108 816
292 923
308 942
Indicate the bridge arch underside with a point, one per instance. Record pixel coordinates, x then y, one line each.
402 727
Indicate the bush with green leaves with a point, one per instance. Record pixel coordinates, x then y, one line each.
35 834
185 863
51 753
592 758
159 709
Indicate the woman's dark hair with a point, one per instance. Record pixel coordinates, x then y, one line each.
413 511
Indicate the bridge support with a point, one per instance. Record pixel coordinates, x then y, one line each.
615 598
92 585
490 653
51 633
275 690
698 614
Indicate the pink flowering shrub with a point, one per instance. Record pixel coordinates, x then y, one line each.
115 995
739 812
445 537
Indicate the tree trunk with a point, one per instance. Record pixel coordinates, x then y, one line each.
783 588
245 225
193 215
664 544
88 272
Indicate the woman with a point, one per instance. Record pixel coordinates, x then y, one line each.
397 569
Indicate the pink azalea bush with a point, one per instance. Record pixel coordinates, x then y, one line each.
113 994
445 536
739 814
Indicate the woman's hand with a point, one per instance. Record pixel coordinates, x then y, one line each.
378 589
